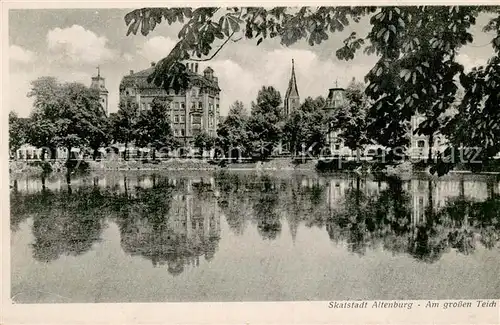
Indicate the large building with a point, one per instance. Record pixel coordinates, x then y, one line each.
418 144
194 110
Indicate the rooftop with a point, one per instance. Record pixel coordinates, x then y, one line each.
139 80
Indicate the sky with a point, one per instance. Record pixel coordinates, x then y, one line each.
70 43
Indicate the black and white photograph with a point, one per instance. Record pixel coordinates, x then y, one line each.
253 154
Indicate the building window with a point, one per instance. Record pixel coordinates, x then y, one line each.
217 106
211 121
194 93
183 118
421 143
195 119
183 105
148 106
176 119
176 105
182 132
200 105
211 108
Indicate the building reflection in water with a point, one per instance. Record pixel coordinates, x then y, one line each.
423 218
174 222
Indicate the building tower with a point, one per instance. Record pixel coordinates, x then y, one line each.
292 98
98 83
335 100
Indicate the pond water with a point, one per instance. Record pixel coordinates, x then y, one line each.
248 236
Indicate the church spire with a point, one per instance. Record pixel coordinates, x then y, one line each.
292 98
292 84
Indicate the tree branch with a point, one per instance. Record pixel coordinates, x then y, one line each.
217 51
222 45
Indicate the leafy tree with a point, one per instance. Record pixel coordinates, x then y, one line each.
17 132
101 136
476 125
81 116
352 120
153 127
205 27
124 122
416 46
67 115
307 126
42 126
232 132
204 141
418 68
268 102
265 123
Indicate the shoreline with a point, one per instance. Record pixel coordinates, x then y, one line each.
192 165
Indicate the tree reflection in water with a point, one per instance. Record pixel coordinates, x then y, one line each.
264 206
235 199
23 205
385 218
175 221
65 223
263 200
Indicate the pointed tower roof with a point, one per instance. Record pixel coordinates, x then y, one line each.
292 90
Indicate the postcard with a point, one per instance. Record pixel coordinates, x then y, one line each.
250 163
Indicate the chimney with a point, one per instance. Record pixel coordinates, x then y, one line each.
196 67
153 64
131 72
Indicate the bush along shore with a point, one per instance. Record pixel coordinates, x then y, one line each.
281 164
171 164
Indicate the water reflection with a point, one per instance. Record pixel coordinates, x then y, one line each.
66 223
175 220
173 223
423 218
